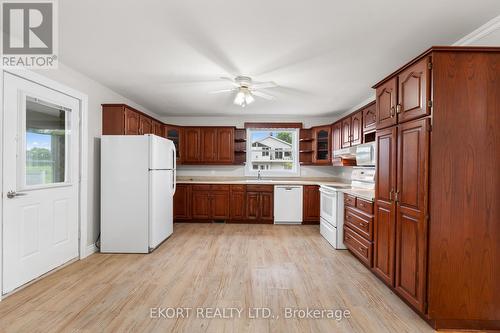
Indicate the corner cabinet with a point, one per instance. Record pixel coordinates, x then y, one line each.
121 119
322 144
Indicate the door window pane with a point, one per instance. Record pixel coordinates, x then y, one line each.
47 135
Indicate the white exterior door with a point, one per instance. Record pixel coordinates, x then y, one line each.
40 180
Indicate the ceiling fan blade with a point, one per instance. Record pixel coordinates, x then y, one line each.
263 85
263 95
222 91
230 80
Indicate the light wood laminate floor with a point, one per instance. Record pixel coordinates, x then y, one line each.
213 266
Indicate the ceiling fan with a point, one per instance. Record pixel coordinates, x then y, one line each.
246 89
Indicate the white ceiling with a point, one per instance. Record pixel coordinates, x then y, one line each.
326 54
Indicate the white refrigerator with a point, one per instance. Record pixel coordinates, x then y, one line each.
137 189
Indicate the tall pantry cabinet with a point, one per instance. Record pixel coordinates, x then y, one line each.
437 198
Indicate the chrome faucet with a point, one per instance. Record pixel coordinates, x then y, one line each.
259 177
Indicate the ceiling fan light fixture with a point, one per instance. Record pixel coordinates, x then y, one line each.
240 98
249 98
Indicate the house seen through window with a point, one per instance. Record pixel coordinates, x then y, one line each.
273 151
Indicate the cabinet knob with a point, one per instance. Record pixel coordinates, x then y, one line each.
393 113
398 108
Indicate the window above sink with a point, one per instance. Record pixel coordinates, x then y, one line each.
272 152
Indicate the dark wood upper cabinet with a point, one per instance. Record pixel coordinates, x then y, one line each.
411 223
225 145
192 144
346 132
182 202
208 144
356 128
311 203
386 104
132 126
385 206
414 91
158 129
145 125
369 118
174 134
322 144
337 136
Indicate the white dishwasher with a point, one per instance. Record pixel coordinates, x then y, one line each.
287 204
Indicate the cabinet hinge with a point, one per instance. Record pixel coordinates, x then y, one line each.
429 104
429 65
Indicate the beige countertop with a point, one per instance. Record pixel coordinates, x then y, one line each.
362 193
275 181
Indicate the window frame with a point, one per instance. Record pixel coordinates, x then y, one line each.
22 143
294 172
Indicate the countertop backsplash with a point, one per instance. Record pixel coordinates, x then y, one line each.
239 171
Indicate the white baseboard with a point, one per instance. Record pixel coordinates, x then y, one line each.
90 250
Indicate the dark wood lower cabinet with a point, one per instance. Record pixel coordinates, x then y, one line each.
253 206
358 228
238 203
201 202
228 203
267 207
220 205
182 203
310 205
384 239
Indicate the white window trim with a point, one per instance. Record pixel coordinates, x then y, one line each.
294 172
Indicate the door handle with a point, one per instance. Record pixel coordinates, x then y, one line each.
13 194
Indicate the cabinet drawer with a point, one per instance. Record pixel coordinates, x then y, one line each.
260 188
238 188
204 187
363 225
359 246
220 187
364 205
349 200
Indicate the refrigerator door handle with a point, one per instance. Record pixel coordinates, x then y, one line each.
174 184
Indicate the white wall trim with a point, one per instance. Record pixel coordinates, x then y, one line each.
83 185
91 249
479 33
